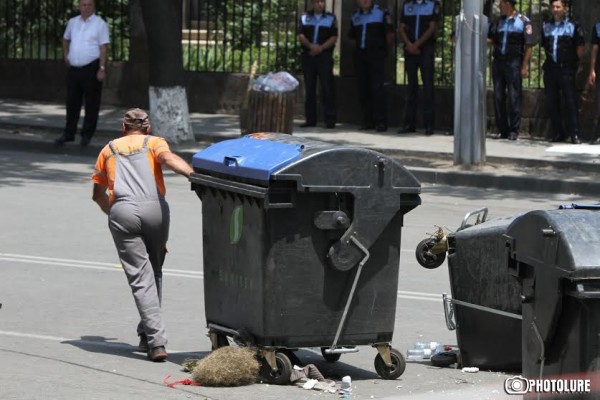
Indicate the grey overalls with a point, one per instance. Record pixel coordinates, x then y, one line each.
139 224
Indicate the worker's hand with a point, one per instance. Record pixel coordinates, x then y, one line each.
100 75
524 71
592 78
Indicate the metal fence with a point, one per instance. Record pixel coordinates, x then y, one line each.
224 35
33 29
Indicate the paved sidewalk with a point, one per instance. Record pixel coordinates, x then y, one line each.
524 164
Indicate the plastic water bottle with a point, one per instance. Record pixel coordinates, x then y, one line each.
346 387
418 354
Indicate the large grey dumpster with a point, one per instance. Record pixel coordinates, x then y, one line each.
301 246
485 298
556 257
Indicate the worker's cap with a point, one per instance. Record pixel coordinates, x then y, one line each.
513 2
136 118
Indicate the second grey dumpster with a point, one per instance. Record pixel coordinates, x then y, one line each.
301 246
556 257
485 298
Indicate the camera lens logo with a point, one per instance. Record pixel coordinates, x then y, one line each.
516 385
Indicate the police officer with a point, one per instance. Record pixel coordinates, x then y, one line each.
594 71
372 29
318 33
417 31
512 38
563 42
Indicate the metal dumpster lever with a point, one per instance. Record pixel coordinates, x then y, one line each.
351 295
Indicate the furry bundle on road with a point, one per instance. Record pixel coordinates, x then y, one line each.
227 366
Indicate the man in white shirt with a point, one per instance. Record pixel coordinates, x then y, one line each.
85 43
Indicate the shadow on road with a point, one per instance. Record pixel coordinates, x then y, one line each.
100 344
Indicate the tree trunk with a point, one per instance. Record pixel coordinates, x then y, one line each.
168 100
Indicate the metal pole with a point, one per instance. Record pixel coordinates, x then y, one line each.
470 90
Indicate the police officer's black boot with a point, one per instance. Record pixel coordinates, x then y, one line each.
596 137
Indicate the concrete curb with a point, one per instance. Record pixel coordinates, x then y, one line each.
504 182
425 175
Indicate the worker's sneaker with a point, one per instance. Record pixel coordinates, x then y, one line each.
143 346
157 354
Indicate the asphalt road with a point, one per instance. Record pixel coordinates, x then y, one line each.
67 323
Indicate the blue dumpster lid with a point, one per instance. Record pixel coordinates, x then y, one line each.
247 157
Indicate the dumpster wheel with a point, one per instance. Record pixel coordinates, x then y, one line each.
397 368
331 358
283 373
425 257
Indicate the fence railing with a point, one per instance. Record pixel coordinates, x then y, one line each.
224 35
33 29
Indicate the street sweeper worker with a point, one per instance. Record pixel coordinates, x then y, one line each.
129 188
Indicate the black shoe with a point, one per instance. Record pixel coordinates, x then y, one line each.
143 346
366 127
64 139
557 139
575 140
157 354
428 131
307 125
85 140
595 141
407 129
499 136
330 125
513 136
381 128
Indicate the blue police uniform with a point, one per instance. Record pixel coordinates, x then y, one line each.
596 42
417 17
369 30
509 35
560 42
318 29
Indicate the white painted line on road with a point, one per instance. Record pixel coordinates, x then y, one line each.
33 336
436 295
403 296
63 339
61 262
90 265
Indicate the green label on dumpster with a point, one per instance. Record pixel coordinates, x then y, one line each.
236 225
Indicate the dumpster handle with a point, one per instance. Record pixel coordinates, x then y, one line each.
483 308
542 350
483 211
351 295
449 312
230 161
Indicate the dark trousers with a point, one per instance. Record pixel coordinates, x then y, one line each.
425 63
559 82
370 75
83 86
319 67
597 129
508 84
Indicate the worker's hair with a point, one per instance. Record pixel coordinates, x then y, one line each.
136 119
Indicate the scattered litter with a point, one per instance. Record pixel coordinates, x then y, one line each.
471 370
399 387
277 82
309 384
